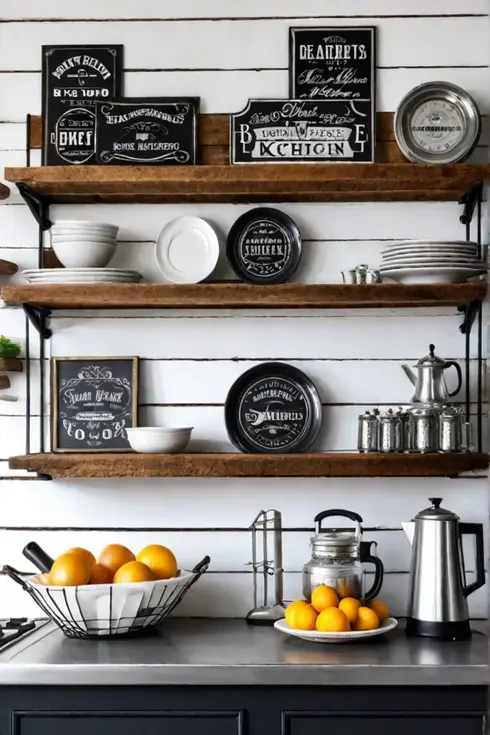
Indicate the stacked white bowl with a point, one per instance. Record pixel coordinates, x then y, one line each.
83 244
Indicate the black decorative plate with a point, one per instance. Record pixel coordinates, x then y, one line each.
273 408
264 246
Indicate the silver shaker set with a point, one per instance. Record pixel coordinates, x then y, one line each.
426 429
431 424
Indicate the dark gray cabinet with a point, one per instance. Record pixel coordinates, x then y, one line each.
193 710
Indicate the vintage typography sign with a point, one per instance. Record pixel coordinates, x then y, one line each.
306 131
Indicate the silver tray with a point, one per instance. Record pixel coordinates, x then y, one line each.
451 120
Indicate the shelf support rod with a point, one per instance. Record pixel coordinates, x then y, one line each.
470 200
38 317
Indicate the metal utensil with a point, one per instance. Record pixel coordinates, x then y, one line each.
265 522
430 385
368 432
390 432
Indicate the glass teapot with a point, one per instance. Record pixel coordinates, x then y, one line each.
338 555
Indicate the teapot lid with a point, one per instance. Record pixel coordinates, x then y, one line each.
431 360
436 513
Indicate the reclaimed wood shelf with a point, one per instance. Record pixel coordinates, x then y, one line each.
242 295
288 182
10 365
250 465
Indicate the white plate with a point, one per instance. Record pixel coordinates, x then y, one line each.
430 257
431 275
432 243
354 635
77 271
187 250
474 266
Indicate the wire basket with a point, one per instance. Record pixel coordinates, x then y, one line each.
93 611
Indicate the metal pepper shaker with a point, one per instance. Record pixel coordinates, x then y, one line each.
390 432
450 430
423 424
368 432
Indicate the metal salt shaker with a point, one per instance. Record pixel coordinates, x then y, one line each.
373 276
361 271
390 432
423 424
450 430
367 437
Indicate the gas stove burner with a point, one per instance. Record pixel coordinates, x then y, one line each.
12 629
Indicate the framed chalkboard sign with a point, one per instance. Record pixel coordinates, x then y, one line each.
302 131
73 79
94 400
156 131
336 64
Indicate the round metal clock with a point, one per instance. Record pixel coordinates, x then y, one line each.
437 122
273 408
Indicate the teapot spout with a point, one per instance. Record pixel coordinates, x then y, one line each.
409 528
409 374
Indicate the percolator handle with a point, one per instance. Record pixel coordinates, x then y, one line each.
476 530
451 363
337 512
368 558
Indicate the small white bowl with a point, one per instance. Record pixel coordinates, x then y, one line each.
158 440
87 254
61 226
92 237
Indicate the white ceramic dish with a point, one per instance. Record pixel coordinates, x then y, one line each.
431 264
84 237
458 274
81 275
60 226
355 635
100 609
159 440
430 259
187 250
87 254
430 243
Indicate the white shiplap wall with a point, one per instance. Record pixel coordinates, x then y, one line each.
226 51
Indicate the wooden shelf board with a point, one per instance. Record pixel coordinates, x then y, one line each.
242 295
250 465
10 365
251 183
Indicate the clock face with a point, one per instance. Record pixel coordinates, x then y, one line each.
437 126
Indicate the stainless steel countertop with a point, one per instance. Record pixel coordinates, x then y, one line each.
230 652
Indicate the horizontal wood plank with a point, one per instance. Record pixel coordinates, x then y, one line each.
258 182
10 365
250 465
241 295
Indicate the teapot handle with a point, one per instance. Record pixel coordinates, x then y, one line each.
451 363
475 529
368 558
337 512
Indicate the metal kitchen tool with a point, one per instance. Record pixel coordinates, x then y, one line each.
267 521
423 426
361 271
368 432
437 604
373 276
430 385
451 430
337 559
349 276
391 432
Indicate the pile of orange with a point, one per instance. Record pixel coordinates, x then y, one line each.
116 564
329 614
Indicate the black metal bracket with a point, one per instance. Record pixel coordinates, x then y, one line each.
43 476
38 316
37 204
470 200
470 312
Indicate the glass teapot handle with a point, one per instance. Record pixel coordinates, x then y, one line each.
337 513
451 363
368 558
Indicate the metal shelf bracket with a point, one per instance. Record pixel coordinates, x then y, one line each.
470 200
470 312
38 206
38 317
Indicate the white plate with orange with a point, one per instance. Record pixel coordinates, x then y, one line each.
344 637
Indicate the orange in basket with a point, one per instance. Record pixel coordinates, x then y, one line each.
114 556
69 570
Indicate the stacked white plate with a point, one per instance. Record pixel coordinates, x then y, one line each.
81 275
429 261
83 244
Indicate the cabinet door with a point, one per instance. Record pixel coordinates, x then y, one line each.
316 723
128 723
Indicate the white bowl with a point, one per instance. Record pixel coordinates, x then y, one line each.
84 225
87 254
158 440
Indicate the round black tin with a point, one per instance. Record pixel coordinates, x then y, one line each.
264 246
273 408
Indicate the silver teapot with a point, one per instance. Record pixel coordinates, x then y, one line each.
337 559
430 385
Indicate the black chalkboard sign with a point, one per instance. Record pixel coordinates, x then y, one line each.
335 63
73 79
308 131
156 131
94 400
